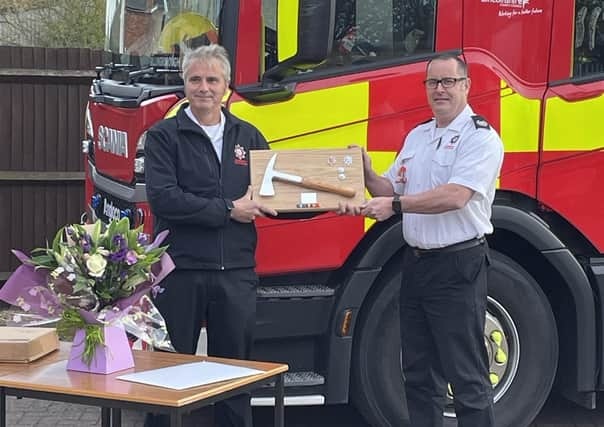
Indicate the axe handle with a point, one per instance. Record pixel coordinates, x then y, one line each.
330 188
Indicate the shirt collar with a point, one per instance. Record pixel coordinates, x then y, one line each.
194 119
457 123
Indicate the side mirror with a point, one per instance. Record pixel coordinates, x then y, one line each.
305 31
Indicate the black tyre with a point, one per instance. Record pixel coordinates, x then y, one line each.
520 335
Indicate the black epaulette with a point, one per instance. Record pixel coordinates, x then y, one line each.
480 122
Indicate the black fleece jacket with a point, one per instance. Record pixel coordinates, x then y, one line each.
188 189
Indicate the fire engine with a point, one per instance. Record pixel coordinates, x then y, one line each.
329 73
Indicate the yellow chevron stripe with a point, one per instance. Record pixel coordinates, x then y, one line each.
310 112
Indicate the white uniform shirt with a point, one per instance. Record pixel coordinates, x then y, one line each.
214 132
468 153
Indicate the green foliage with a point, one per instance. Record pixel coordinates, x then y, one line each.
70 322
54 23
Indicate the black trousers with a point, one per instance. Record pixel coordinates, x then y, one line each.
227 301
442 315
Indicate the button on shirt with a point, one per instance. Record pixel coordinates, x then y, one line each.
463 153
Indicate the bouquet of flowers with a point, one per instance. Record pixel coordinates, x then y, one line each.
91 277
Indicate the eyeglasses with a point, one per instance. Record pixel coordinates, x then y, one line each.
446 82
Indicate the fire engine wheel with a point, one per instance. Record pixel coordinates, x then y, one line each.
520 335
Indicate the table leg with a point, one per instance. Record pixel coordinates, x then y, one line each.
2 407
116 417
175 418
105 417
279 404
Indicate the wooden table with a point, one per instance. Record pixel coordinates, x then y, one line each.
49 379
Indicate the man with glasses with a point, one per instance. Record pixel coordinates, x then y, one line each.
443 183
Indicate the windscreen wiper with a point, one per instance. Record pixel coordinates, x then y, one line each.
150 72
110 69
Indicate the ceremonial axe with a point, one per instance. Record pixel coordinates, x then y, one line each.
267 189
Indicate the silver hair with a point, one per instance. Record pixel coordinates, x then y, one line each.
207 53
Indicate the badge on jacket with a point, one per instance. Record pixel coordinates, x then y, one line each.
451 144
402 175
240 155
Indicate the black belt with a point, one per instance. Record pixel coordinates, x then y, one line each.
477 241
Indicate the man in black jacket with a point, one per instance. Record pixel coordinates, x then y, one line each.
197 177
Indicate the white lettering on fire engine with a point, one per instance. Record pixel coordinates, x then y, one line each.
514 8
110 211
113 141
509 3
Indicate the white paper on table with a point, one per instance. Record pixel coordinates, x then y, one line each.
180 377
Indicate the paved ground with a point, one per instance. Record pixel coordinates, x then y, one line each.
36 413
31 412
41 413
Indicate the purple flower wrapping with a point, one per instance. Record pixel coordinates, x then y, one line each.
28 288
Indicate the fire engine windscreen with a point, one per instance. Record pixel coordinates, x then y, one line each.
140 30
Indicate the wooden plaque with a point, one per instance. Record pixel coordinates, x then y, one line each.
337 167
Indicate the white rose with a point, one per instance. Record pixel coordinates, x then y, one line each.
96 265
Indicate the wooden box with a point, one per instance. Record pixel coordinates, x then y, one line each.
23 345
337 167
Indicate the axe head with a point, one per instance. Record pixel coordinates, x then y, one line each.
266 188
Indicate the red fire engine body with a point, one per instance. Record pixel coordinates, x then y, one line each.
329 73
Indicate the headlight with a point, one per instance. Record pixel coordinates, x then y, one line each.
139 161
86 144
140 144
139 165
88 124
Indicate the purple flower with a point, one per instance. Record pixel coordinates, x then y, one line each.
119 241
143 239
69 231
118 256
86 243
131 258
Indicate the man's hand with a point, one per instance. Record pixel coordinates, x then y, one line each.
345 208
246 210
378 208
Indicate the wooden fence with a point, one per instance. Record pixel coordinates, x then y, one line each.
43 94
